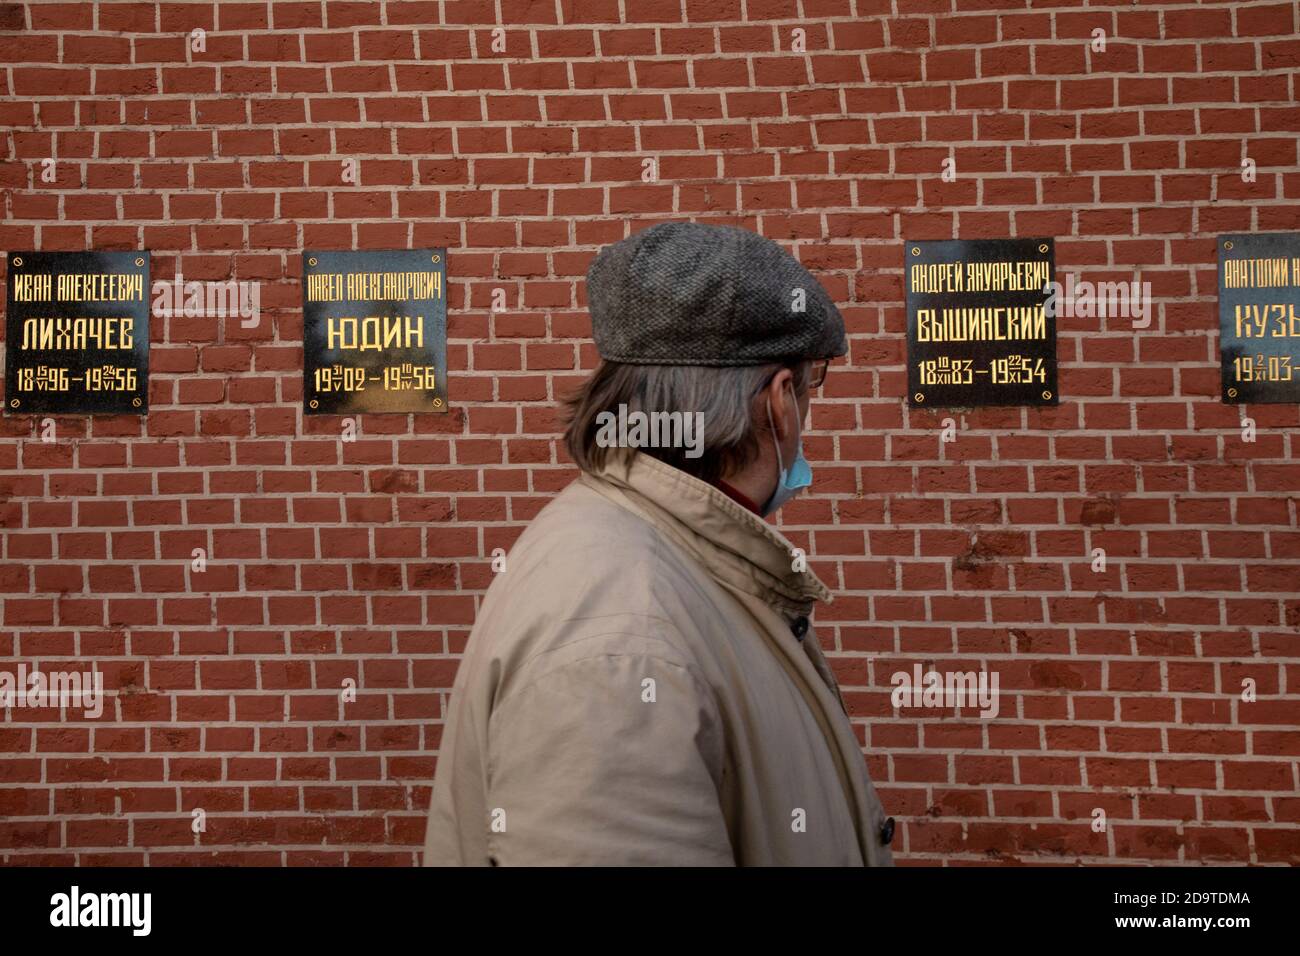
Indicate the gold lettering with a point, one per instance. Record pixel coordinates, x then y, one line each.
325 287
341 332
31 288
1256 273
998 324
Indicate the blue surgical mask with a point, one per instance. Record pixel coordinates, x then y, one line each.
799 475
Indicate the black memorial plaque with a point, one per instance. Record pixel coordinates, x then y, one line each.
77 333
374 331
980 329
1259 317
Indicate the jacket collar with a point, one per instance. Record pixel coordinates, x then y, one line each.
734 544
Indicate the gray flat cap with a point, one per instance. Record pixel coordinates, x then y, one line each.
682 293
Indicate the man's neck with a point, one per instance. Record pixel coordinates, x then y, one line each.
739 496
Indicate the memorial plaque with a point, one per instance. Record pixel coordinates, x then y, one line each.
980 329
77 333
374 331
1259 317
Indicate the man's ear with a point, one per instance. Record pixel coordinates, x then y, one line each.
779 394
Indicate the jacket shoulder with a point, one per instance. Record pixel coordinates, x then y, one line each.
587 577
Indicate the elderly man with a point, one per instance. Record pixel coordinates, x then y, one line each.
642 685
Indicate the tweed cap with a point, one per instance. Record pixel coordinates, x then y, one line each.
683 293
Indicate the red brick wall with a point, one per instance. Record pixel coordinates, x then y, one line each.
330 560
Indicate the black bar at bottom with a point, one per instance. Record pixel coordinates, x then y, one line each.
907 906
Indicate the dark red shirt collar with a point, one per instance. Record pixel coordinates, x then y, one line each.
739 497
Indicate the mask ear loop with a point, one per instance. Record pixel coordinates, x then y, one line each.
776 440
798 427
798 418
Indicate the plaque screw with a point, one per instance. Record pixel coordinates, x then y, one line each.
1043 247
311 261
437 403
18 261
136 401
435 258
139 260
916 250
1232 393
13 403
920 397
1228 244
1047 395
313 403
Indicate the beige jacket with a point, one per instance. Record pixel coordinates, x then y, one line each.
632 693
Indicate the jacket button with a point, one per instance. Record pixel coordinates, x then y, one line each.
887 832
799 627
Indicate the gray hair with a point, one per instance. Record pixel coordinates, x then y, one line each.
723 395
